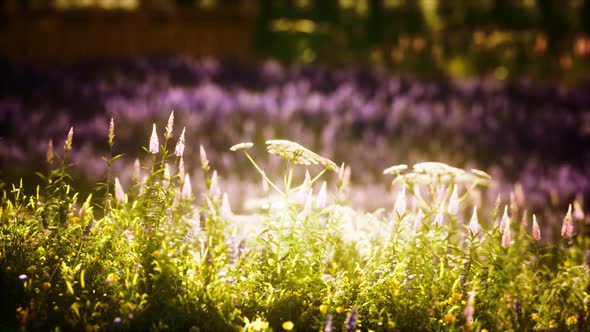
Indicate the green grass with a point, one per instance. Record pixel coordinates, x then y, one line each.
152 258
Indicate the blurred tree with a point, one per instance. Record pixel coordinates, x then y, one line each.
586 16
375 22
554 22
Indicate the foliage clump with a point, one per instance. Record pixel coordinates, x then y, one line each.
158 258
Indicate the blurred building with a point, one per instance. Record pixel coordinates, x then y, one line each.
67 30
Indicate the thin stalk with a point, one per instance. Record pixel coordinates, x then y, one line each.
263 174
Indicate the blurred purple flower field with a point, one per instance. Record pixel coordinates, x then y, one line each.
535 134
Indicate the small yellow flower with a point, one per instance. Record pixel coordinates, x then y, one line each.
382 298
324 308
46 285
340 310
484 330
571 320
156 254
259 325
534 316
455 298
288 325
449 318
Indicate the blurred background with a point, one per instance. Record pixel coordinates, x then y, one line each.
499 85
424 38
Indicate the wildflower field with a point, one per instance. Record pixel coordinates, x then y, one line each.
290 199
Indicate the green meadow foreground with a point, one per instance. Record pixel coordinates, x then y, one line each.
158 256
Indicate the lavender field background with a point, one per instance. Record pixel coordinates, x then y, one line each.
529 133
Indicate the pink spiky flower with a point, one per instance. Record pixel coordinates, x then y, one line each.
400 202
119 192
136 170
111 132
307 203
536 229
179 150
50 151
214 189
507 233
418 220
567 228
225 209
322 199
187 190
68 145
578 212
474 222
439 218
453 207
154 143
469 308
505 219
167 176
204 159
181 169
170 125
